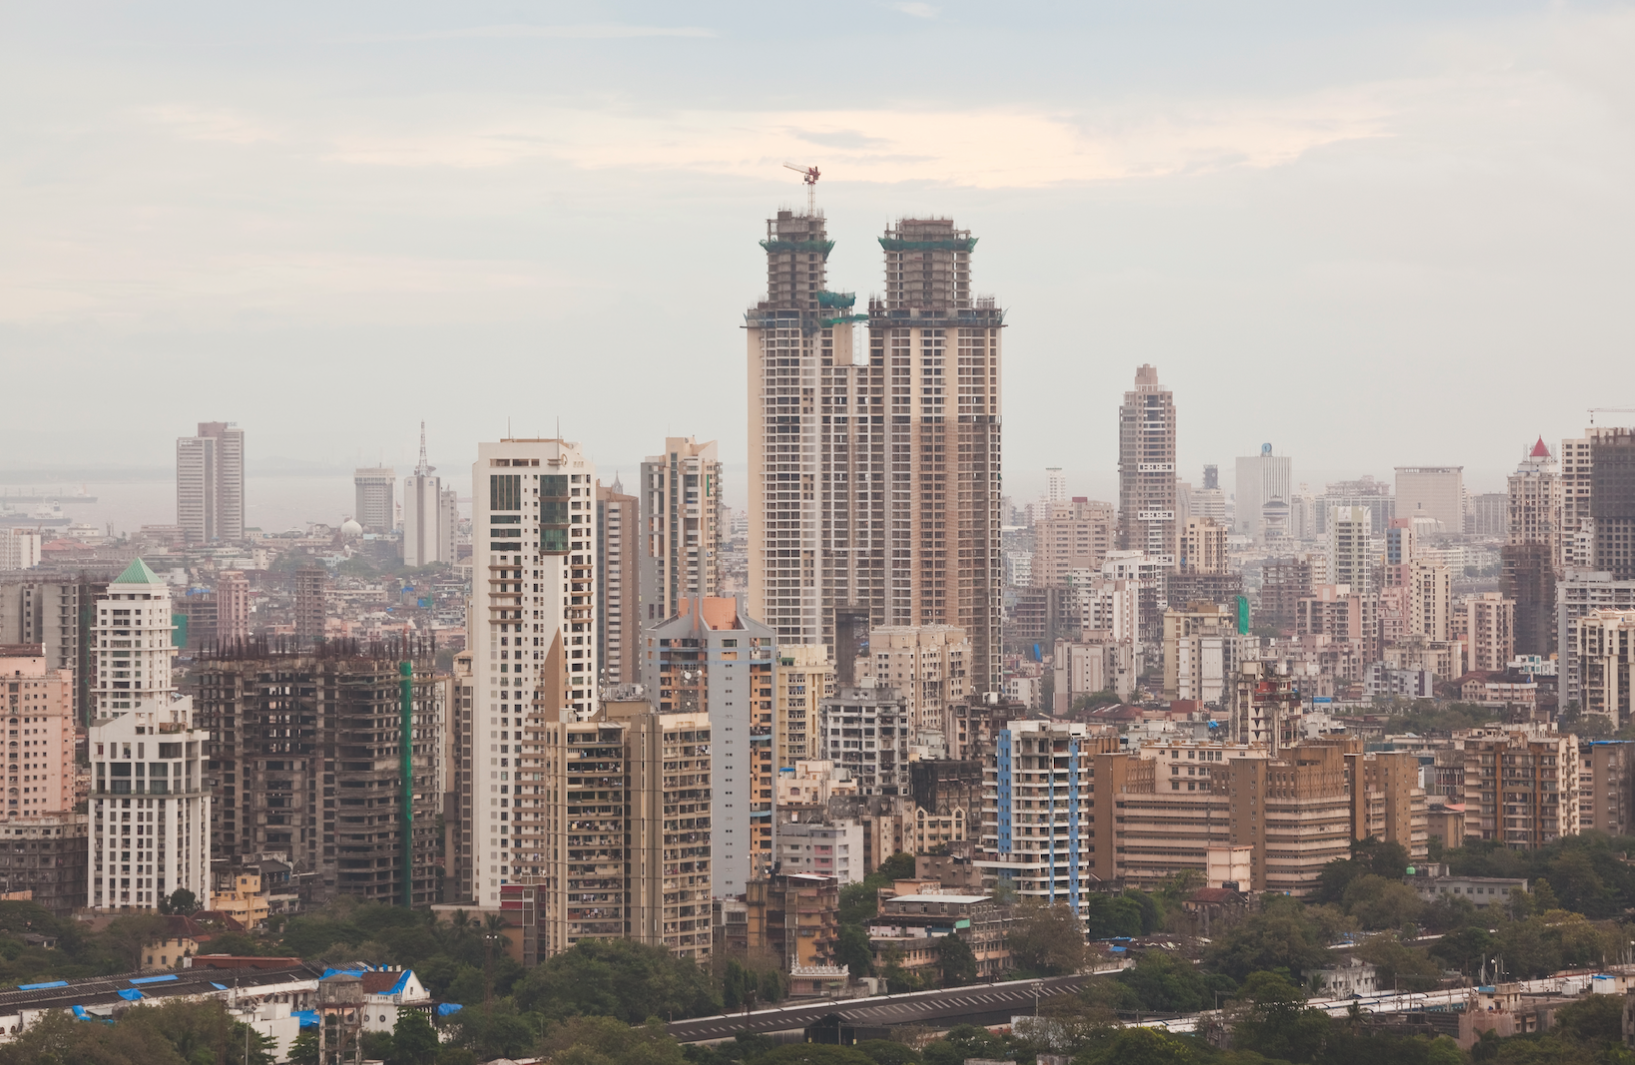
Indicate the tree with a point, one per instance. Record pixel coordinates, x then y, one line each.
889 1052
899 866
813 1054
606 1041
1144 1046
853 951
1282 936
617 978
304 1050
956 962
1380 903
128 937
181 901
1271 1018
961 1042
1399 965
1166 983
414 1040
1047 939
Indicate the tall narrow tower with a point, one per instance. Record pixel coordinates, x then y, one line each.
1146 468
425 514
1532 549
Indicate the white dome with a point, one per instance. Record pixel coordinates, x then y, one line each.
350 527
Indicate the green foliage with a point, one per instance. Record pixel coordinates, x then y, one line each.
1283 937
852 950
304 1050
961 1042
181 901
1425 716
414 1040
1144 1046
813 1054
1046 940
1096 700
496 1031
956 962
1400 966
606 1041
171 1033
888 1052
1133 913
1162 982
743 987
616 978
1380 903
1272 1019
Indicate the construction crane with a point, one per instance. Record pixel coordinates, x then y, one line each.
810 176
1609 410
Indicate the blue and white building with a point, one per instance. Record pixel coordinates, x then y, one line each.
1037 820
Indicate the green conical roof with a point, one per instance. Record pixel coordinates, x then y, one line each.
138 573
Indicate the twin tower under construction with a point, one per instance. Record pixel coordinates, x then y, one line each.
875 441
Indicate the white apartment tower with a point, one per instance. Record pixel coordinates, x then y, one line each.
1261 479
131 645
374 506
430 514
1350 558
532 637
149 806
210 483
681 526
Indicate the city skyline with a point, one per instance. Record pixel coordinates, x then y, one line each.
1259 233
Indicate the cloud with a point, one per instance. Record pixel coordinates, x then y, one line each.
595 31
200 123
984 148
917 10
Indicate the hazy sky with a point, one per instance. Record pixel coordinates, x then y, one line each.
1373 234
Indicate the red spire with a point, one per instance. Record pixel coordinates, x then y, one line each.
1539 450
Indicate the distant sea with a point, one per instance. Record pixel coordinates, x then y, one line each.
272 504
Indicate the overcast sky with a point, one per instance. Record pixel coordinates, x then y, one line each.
1372 234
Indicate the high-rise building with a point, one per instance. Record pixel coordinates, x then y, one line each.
532 636
19 548
304 792
681 526
1577 490
133 644
930 666
1520 787
1365 492
669 760
1605 654
875 473
232 607
431 513
1071 535
1432 600
805 678
375 489
1038 837
1351 562
459 822
311 603
1202 648
39 702
1434 492
1146 469
1578 595
47 858
210 483
1203 546
1532 549
879 764
59 613
618 576
1487 515
1055 486
1490 631
149 806
1262 479
713 659
1612 501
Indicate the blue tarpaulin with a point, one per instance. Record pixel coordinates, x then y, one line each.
308 1018
36 987
402 982
154 979
79 1011
218 987
344 972
446 1009
130 994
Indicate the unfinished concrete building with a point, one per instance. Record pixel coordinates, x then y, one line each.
304 764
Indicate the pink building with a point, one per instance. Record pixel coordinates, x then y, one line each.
39 772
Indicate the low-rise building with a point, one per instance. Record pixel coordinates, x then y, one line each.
834 850
796 916
45 855
1480 890
1353 976
908 928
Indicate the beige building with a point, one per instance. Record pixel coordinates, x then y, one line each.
1166 808
1203 546
1432 600
1606 787
1433 492
210 483
1146 469
232 607
1351 559
1519 788
624 826
619 557
682 527
874 462
238 894
1606 651
1387 803
929 665
805 677
1201 651
39 703
1071 535
1490 630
